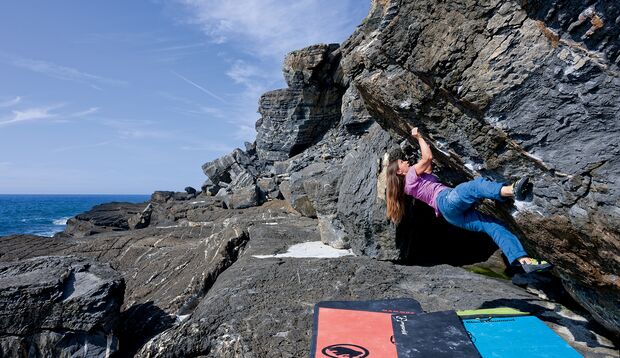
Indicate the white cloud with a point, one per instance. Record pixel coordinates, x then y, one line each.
264 31
260 33
64 73
271 28
10 103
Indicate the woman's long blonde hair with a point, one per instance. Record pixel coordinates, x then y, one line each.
395 193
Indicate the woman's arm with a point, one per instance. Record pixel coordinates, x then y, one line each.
425 165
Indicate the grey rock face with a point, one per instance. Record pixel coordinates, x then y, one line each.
103 218
161 196
355 117
293 119
57 305
141 220
269 188
313 65
243 198
208 188
505 89
235 169
361 199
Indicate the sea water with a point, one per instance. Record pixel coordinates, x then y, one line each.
46 215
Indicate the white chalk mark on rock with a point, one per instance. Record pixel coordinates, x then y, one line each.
314 249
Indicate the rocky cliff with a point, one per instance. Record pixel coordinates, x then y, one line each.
500 88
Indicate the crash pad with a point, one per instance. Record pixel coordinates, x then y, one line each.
357 328
437 334
516 336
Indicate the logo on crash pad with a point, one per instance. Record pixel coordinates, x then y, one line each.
345 351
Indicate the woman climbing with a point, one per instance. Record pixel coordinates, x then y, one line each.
456 204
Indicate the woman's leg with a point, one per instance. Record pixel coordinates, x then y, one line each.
473 220
464 195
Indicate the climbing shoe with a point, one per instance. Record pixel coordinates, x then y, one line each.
536 266
522 188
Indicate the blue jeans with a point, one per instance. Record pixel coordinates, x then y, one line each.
456 207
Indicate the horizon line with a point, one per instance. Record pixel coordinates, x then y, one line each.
74 193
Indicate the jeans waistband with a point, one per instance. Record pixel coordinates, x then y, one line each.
440 198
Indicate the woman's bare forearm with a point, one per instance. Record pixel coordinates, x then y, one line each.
427 155
425 149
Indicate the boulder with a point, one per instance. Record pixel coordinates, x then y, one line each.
504 89
57 306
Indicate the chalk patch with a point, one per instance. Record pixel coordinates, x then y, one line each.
181 318
314 249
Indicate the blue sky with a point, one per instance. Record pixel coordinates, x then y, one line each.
122 96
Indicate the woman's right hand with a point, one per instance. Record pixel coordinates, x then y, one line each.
415 133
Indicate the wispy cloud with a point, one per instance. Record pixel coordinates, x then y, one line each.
10 103
209 147
255 80
135 128
144 38
63 72
175 48
190 107
85 146
30 114
200 87
35 113
84 113
144 134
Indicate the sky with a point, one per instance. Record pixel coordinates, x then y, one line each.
129 97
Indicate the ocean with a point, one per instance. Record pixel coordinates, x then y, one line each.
46 215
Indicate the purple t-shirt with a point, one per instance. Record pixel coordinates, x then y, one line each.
424 187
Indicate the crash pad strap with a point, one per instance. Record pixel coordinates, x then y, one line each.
491 312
